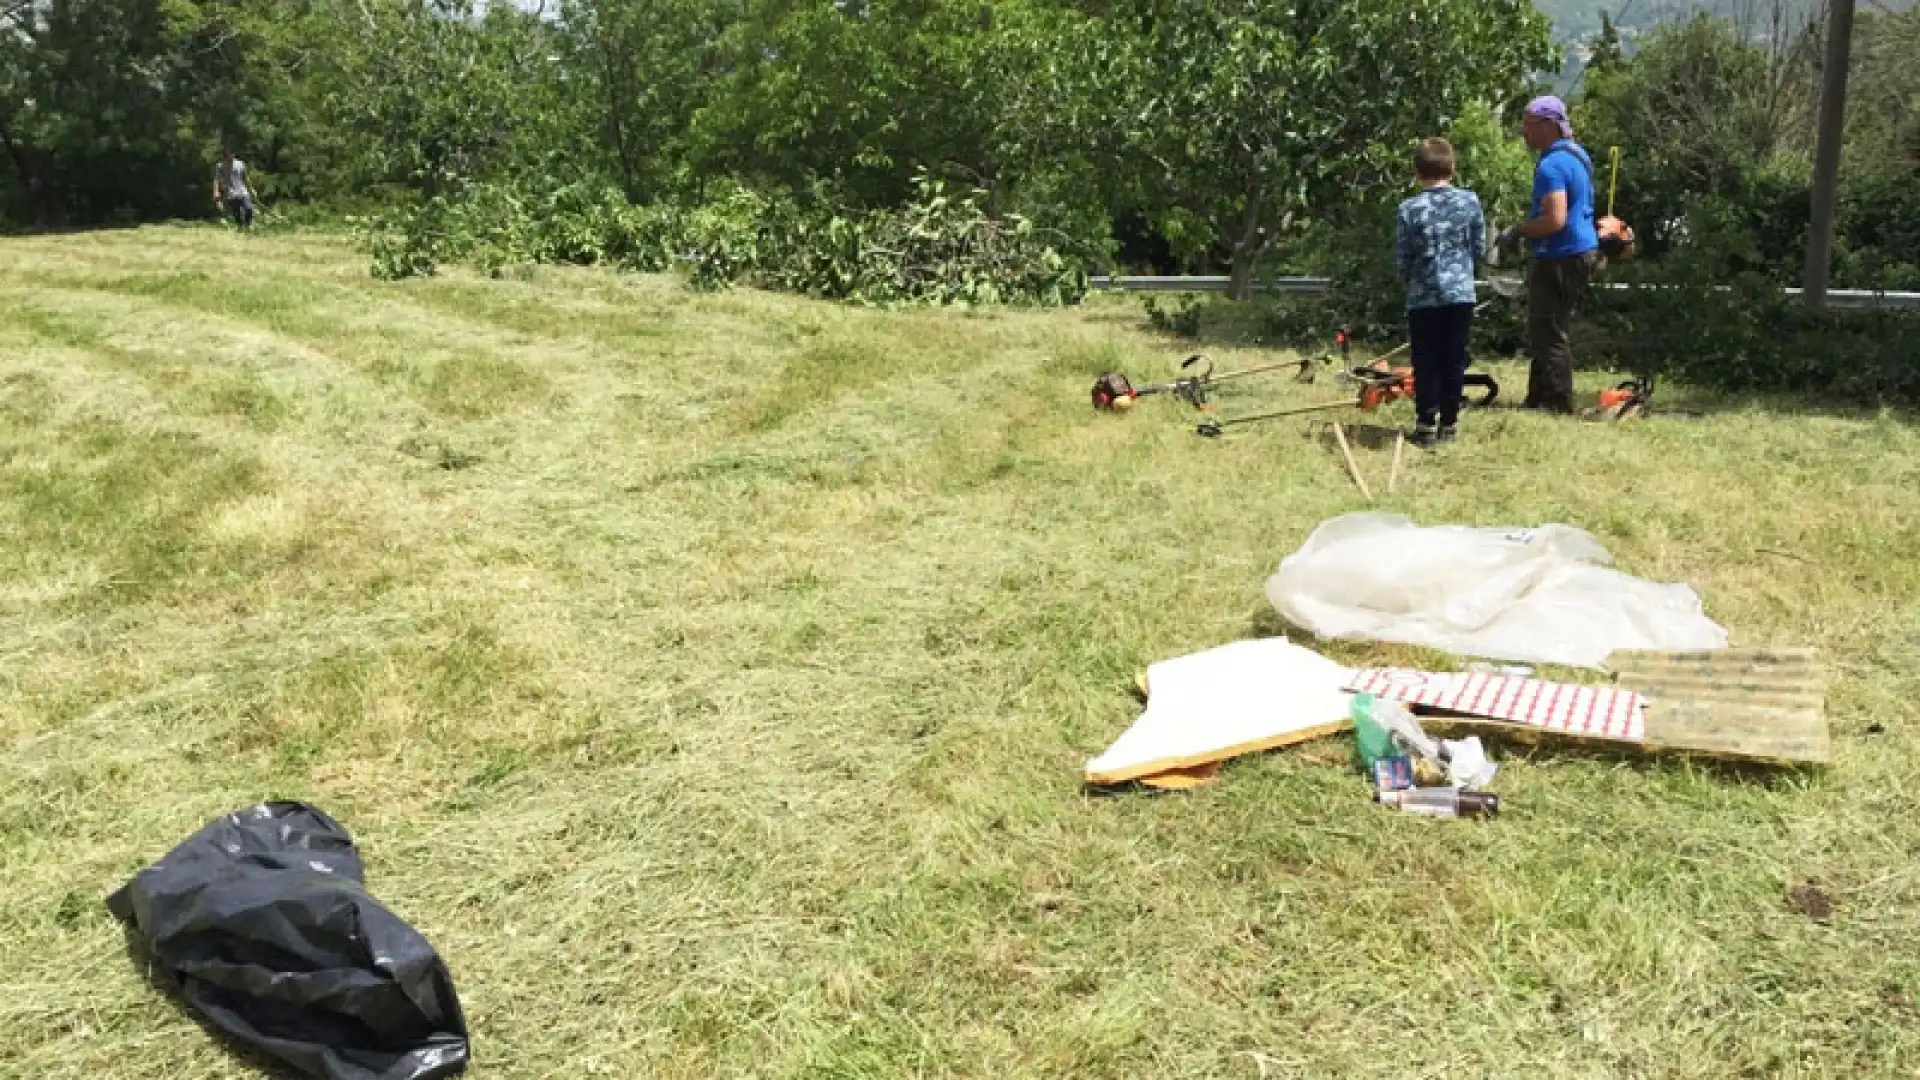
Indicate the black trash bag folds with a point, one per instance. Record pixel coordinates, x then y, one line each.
262 921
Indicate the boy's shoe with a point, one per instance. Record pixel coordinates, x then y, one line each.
1425 436
1446 433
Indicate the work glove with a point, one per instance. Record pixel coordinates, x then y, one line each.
1505 246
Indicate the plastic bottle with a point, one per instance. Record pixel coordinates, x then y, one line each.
1405 732
1371 742
1441 802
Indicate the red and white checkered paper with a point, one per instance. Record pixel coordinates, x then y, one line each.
1598 711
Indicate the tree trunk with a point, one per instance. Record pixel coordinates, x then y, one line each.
49 204
1240 279
1247 248
35 169
616 118
1826 158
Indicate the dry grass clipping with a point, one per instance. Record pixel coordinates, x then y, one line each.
709 678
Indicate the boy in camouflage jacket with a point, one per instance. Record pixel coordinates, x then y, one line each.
1440 236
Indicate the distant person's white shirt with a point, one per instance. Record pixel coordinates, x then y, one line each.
232 180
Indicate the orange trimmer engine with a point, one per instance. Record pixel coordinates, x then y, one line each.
1627 400
1380 386
1110 389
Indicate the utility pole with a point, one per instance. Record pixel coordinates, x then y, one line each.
1826 158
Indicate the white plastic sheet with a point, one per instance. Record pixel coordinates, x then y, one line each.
1542 595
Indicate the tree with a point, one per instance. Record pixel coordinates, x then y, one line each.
1056 146
1252 116
1607 52
648 67
858 95
1491 161
101 102
1705 113
1883 107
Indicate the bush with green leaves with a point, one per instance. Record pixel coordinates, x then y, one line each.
1745 335
499 226
943 247
1366 296
1716 126
1181 318
1878 241
1711 312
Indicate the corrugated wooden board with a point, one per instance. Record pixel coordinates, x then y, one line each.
1753 704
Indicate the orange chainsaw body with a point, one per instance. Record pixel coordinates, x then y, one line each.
1395 384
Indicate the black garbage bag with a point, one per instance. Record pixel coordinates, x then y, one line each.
262 921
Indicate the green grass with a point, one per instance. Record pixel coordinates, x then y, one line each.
709 677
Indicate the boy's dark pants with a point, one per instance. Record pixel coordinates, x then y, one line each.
1554 288
1439 360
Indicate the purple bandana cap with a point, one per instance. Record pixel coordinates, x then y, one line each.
1552 108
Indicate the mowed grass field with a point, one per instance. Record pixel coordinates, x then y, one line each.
709 677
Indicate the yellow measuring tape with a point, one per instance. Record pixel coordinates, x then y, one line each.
1613 185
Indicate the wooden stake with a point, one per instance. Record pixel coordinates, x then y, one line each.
1393 476
1353 468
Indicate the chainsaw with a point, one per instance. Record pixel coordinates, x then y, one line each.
1627 400
1632 399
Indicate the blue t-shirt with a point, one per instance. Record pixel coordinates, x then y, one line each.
1441 233
1564 168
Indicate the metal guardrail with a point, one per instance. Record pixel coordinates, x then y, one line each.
1204 284
1866 300
1837 299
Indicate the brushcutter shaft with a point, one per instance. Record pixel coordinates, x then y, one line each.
1296 411
1390 354
1211 428
1256 370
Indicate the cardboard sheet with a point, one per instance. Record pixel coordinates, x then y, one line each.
1213 705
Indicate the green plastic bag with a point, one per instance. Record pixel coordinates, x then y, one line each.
1370 741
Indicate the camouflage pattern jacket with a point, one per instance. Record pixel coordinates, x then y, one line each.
1441 234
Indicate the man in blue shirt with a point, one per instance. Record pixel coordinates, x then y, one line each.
1440 235
1565 242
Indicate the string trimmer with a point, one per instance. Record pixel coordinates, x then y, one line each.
1377 383
1112 390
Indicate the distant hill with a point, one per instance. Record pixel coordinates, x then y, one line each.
1579 20
1576 22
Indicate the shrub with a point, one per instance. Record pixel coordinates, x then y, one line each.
1366 296
1180 320
1749 336
942 247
